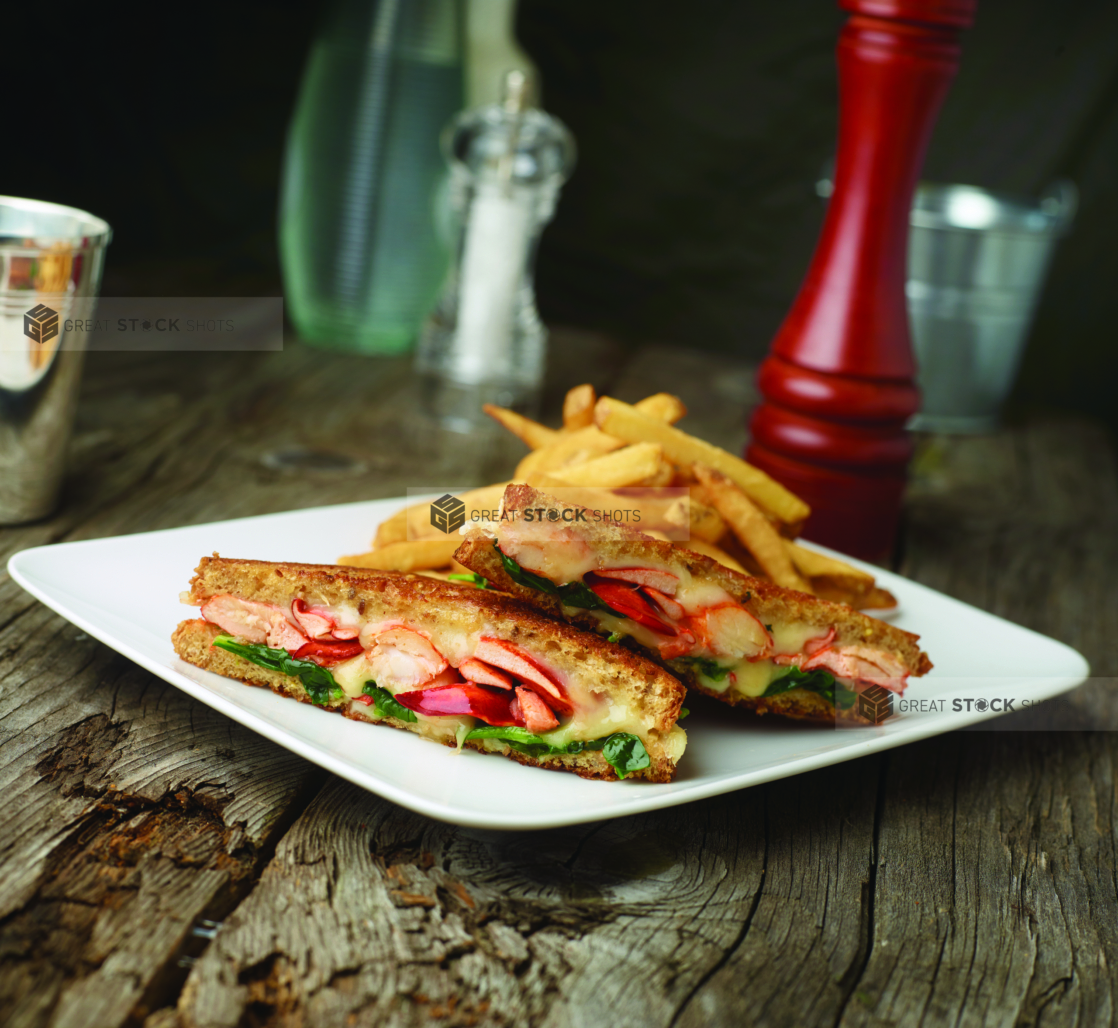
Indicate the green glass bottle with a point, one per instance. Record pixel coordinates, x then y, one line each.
362 261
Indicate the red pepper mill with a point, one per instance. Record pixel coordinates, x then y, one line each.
839 381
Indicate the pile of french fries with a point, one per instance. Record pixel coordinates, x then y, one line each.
738 515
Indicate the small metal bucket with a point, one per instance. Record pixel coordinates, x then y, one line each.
51 259
976 267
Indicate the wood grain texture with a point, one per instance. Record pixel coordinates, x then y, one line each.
995 899
129 813
394 919
967 879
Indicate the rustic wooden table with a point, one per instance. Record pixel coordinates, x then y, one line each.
162 866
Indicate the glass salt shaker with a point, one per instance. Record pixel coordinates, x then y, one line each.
484 342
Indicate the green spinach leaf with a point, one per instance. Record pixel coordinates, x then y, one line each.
386 705
706 667
625 752
510 733
473 578
318 682
819 681
573 594
519 739
525 578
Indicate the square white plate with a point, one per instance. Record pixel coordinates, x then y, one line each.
124 591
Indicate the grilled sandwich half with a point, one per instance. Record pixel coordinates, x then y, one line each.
453 663
741 639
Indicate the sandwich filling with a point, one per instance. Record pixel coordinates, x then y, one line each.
474 687
694 626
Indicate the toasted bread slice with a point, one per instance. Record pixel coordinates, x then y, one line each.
438 659
741 639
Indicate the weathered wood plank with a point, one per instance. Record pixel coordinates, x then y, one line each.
1024 524
995 899
790 904
389 918
907 913
131 811
804 947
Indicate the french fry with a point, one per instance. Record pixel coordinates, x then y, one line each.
715 552
730 543
834 579
632 465
413 555
392 530
663 407
663 477
525 429
826 589
582 444
751 527
570 448
811 564
878 599
706 523
620 419
414 522
645 510
578 407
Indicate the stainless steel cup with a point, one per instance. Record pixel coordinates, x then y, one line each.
51 259
976 267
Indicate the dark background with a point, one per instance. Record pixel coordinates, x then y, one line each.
701 129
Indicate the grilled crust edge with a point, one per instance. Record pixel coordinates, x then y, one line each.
193 640
770 602
329 584
800 704
796 703
655 690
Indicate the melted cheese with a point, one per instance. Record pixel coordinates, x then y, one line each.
548 550
620 626
595 714
790 638
675 742
446 729
561 556
748 677
695 597
610 716
352 675
753 678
